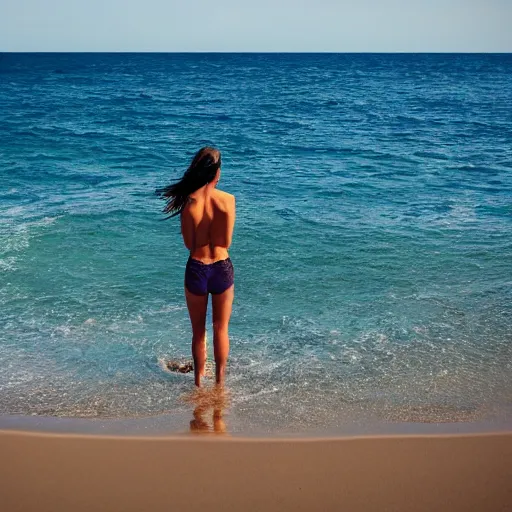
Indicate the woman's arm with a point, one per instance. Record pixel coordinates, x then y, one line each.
187 228
231 214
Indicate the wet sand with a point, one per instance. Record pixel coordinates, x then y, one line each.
64 472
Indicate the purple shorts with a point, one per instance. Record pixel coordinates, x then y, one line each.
202 278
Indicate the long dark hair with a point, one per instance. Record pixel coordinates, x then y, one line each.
201 171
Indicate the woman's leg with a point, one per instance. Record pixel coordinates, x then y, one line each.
197 305
222 304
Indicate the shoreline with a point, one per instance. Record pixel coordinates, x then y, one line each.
53 472
183 424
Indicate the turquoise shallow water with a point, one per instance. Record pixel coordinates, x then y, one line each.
372 251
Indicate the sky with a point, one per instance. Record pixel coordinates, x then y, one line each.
256 25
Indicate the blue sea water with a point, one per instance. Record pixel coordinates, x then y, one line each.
372 250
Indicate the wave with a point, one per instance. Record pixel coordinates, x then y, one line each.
473 168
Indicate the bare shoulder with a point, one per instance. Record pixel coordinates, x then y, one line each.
225 199
189 202
225 195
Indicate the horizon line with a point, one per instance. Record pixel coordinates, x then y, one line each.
312 52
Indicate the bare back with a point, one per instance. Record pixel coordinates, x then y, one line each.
207 223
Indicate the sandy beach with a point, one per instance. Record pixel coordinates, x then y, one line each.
54 472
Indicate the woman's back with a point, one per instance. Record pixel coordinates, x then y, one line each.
207 224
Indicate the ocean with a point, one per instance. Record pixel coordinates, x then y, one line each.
372 249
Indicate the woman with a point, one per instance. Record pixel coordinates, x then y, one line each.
207 221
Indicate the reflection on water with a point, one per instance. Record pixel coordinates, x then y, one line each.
200 425
210 405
